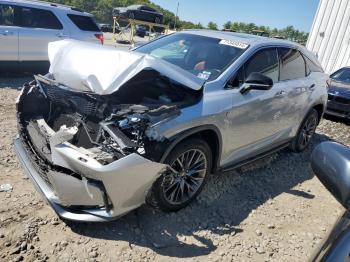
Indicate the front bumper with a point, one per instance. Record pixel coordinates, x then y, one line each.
103 193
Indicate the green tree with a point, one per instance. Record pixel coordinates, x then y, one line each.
228 25
212 26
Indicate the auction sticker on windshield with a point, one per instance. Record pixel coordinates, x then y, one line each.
233 43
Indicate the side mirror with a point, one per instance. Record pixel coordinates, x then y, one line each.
331 163
256 81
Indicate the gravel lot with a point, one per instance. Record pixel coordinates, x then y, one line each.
272 210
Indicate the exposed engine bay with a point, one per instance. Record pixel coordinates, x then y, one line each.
108 126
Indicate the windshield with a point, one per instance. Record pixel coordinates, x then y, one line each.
342 75
204 57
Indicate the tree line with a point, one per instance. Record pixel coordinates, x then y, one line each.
102 10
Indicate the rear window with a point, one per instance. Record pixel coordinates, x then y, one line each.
312 67
85 23
38 18
292 64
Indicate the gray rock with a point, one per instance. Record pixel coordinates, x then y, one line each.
93 254
55 222
23 245
64 243
16 250
6 188
19 258
260 250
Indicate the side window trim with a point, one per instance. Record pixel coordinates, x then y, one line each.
301 54
20 17
242 67
307 68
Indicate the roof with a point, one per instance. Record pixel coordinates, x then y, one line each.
252 40
37 3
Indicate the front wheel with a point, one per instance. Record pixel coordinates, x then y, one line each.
306 132
190 163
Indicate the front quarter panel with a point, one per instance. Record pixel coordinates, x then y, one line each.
211 110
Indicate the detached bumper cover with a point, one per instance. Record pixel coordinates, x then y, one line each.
125 183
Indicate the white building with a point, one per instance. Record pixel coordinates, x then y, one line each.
330 34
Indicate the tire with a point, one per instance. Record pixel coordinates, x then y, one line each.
305 133
157 20
166 191
132 16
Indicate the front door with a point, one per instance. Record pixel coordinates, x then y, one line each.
256 121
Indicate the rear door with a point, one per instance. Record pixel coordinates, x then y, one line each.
38 27
295 83
8 35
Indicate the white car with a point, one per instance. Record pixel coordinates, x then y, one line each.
26 28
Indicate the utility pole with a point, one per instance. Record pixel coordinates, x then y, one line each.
177 11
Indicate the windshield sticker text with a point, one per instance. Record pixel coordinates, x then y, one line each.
233 43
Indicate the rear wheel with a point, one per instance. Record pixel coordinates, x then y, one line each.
191 162
306 132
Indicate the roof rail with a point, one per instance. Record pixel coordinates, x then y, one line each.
56 5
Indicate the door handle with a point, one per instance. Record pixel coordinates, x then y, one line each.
61 35
280 93
6 32
312 87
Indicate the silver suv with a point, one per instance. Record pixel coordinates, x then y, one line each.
100 140
26 28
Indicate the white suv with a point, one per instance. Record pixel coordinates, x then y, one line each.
26 28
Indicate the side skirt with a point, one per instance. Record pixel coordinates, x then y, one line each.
233 166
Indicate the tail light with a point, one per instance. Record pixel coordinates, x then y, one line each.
100 37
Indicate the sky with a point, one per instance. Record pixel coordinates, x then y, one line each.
272 13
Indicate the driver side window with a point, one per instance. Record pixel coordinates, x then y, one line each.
264 62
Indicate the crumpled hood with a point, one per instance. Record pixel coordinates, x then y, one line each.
103 70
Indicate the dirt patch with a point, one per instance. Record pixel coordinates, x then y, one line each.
273 210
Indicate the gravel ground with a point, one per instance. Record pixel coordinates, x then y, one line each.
272 210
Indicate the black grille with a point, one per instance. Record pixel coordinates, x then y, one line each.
86 105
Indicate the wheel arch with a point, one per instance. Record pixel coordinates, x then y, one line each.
209 133
320 110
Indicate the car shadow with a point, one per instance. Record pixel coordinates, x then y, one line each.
15 81
225 202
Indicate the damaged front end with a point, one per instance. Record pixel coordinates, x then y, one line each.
95 157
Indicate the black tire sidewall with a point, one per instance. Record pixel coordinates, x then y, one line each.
158 191
296 146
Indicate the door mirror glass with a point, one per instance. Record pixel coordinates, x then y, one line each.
256 81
